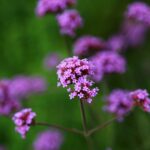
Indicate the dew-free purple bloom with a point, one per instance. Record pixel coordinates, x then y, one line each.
140 98
138 12
69 21
75 71
87 45
52 6
119 103
23 120
117 43
48 140
8 103
51 61
107 62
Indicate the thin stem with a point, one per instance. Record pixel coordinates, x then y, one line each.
84 122
67 46
73 130
92 131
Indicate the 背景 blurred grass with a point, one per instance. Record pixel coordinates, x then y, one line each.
24 42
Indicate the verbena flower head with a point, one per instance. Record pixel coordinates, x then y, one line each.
52 6
119 103
117 43
51 61
134 33
140 98
8 103
69 21
87 45
23 120
138 12
75 71
107 62
48 140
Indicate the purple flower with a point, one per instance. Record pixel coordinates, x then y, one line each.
140 98
119 103
23 120
48 140
87 45
117 43
75 71
52 6
134 32
69 21
107 62
51 61
2 148
8 103
138 12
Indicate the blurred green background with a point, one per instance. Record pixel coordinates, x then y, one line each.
25 40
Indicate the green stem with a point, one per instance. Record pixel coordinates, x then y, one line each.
67 46
73 130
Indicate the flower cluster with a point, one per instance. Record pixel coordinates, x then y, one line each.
86 45
76 71
52 6
140 98
107 62
8 103
138 12
119 103
69 21
23 120
48 140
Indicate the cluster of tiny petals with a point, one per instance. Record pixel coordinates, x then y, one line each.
69 21
75 71
141 98
86 45
117 43
48 140
52 6
23 120
119 103
8 103
107 62
138 12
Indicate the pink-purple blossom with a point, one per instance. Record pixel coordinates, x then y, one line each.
23 120
52 6
48 140
141 98
69 21
87 45
119 103
138 12
107 62
51 61
2 148
76 72
8 103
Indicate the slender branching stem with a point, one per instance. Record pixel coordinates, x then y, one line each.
105 124
73 130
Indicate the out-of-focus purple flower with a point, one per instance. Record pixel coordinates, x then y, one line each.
48 140
87 45
75 71
8 103
52 6
140 98
23 86
23 120
119 103
2 148
134 33
117 43
107 62
69 21
51 61
138 12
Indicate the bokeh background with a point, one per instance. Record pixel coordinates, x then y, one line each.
24 42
